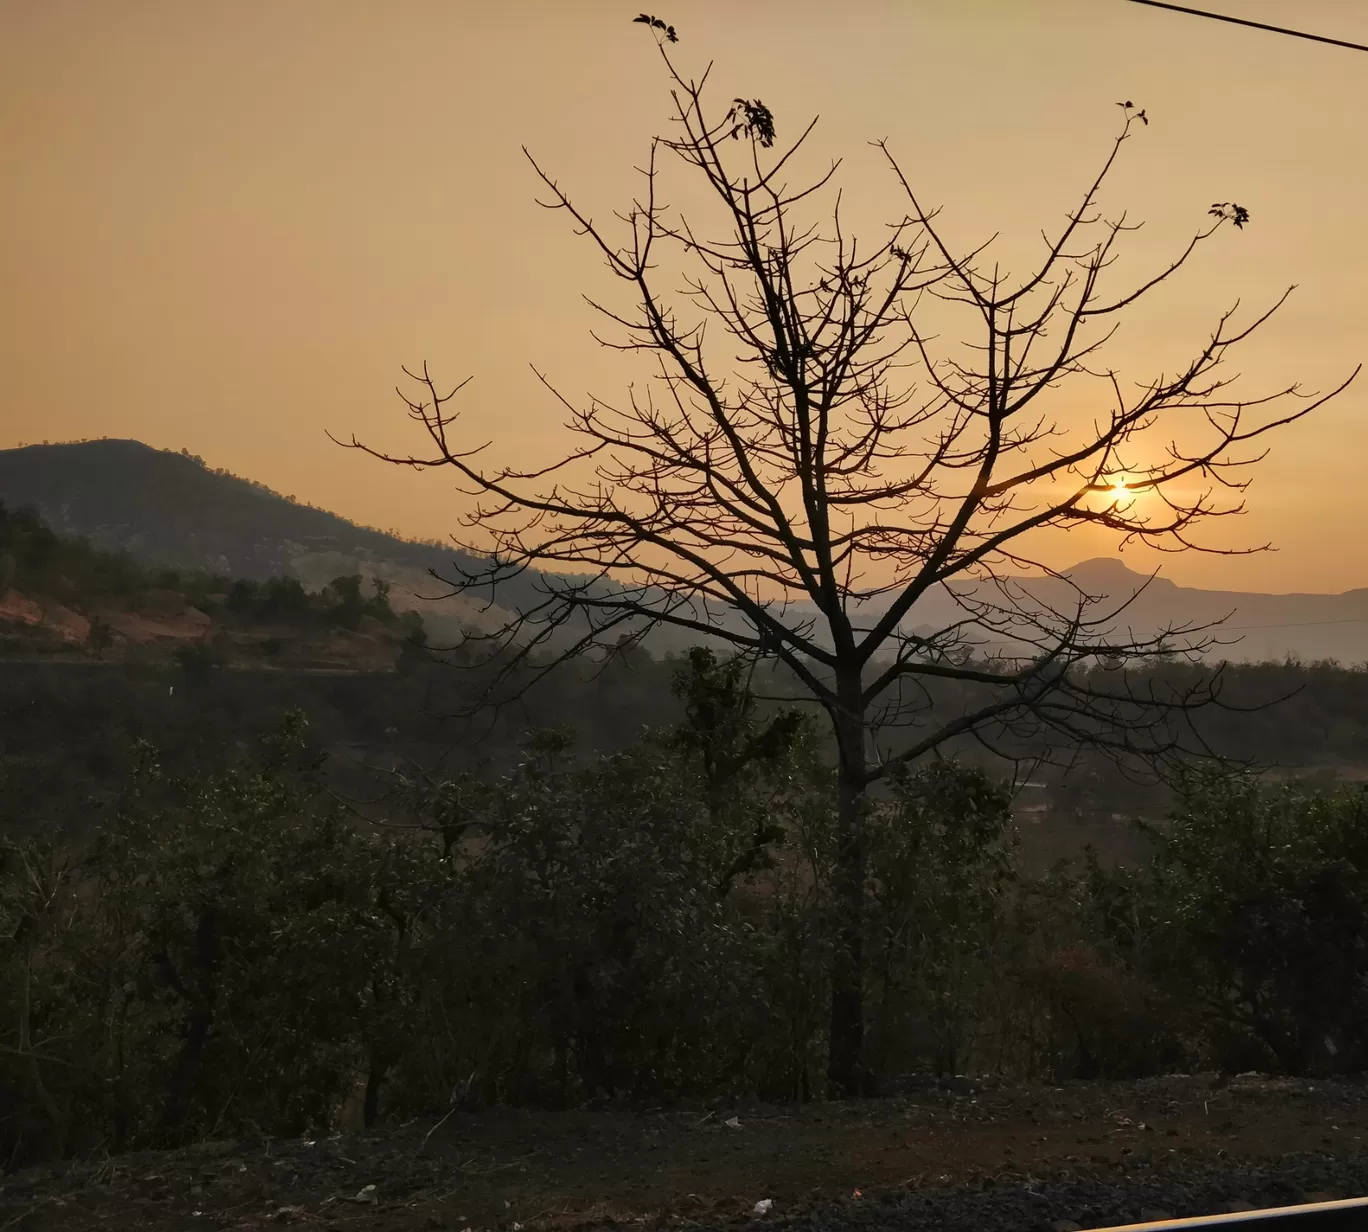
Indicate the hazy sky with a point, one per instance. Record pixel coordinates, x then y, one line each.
225 225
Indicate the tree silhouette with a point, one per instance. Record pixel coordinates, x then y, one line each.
806 483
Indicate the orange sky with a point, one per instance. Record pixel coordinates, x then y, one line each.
226 225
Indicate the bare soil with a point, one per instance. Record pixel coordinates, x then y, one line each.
1020 1156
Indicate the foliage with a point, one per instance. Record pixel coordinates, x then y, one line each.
1260 893
1098 1004
347 605
37 561
230 953
941 863
226 954
41 563
615 959
725 743
233 952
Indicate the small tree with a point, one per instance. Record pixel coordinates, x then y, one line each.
721 735
786 489
348 603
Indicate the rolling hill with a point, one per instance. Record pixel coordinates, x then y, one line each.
172 509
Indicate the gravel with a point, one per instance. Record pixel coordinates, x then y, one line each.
1063 1201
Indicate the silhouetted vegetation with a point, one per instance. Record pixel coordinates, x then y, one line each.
211 924
64 730
235 950
69 568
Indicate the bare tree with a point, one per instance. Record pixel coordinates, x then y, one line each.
800 486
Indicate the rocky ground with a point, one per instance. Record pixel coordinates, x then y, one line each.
990 1157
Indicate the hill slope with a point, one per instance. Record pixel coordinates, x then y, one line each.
61 597
170 508
1254 627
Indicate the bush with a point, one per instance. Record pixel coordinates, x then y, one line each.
236 953
941 862
599 955
1261 893
225 957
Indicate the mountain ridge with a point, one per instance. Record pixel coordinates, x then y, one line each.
67 483
1101 568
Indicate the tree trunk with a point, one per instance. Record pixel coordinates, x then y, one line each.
846 1075
375 1078
200 998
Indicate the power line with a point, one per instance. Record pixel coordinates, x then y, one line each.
1257 25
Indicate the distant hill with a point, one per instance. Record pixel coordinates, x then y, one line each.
1256 627
171 508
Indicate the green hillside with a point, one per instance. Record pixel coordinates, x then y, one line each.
62 595
172 508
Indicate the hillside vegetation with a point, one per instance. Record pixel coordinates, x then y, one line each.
173 509
62 596
157 505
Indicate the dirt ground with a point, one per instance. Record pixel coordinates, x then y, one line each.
506 1171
